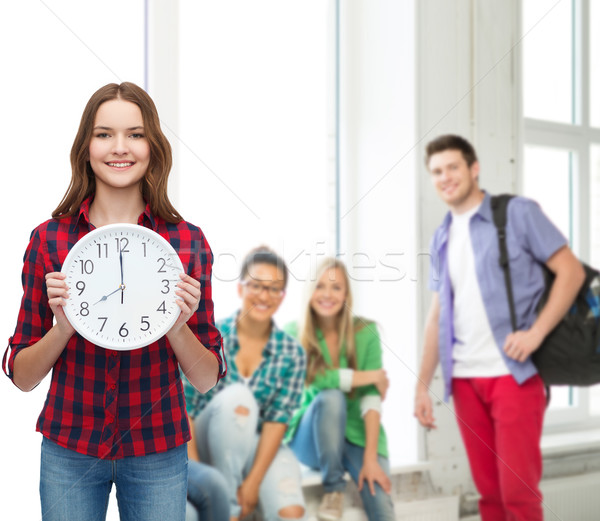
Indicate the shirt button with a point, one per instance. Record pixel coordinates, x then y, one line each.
113 387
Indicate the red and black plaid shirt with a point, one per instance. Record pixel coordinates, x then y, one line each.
104 403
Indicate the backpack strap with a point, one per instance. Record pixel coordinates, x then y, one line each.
499 207
499 212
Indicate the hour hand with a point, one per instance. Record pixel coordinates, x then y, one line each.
106 296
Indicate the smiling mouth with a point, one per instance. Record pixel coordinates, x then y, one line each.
120 165
326 304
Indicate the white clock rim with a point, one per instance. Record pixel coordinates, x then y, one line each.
100 231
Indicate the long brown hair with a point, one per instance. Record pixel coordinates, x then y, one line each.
307 327
154 182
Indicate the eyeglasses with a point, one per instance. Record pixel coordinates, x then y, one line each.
255 288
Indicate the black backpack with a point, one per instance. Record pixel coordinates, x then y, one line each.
570 354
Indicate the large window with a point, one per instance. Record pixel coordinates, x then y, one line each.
255 135
561 136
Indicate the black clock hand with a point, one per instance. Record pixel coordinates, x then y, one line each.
122 287
106 296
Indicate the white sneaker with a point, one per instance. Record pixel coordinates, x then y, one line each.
332 506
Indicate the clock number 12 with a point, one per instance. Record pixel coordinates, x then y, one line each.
122 244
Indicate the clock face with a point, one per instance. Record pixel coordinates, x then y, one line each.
122 280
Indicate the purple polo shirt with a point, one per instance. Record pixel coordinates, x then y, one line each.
531 240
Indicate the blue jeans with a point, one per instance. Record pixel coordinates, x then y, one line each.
320 443
227 440
76 487
207 494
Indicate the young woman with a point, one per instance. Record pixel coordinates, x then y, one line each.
114 416
337 427
240 424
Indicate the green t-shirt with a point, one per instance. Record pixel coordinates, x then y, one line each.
368 357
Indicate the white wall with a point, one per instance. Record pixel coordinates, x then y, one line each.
377 160
255 135
466 84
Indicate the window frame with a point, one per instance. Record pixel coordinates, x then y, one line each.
578 138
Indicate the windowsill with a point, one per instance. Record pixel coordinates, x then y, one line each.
555 444
312 477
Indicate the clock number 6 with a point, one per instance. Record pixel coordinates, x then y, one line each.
123 331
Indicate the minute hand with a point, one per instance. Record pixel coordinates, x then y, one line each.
122 287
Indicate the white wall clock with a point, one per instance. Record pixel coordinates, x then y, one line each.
122 280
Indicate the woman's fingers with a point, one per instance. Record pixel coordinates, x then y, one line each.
190 292
57 288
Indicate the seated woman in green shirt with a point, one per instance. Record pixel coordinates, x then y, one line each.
337 427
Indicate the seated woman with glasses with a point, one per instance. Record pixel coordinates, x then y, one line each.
240 423
338 427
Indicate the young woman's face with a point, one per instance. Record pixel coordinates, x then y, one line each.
261 291
119 151
330 294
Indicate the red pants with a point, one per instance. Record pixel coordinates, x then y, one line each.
501 425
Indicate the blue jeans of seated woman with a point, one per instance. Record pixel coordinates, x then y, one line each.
207 494
76 487
320 443
228 440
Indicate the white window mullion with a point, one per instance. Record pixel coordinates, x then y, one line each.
571 407
549 133
593 135
582 50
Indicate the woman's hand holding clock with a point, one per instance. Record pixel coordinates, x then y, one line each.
58 292
189 292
